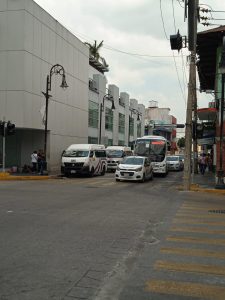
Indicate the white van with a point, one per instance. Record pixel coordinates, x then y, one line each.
89 159
115 155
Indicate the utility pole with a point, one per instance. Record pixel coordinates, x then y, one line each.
192 99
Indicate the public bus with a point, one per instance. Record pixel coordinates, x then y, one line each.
155 147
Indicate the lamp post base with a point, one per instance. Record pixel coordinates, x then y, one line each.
220 180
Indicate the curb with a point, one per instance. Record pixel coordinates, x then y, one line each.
7 176
213 191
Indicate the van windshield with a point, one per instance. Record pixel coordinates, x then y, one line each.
114 153
76 153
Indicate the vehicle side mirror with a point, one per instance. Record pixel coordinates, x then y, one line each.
63 152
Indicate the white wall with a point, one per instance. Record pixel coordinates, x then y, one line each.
31 41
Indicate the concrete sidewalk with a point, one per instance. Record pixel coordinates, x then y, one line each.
205 183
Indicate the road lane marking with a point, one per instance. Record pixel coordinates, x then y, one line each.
200 222
198 230
197 240
199 216
203 208
188 289
190 267
193 252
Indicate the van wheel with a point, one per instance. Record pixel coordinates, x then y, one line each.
103 171
117 180
92 172
151 177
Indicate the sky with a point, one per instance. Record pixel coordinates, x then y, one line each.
137 46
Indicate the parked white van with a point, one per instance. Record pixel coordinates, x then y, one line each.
89 159
115 154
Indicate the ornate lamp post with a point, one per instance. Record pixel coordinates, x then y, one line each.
102 106
132 111
220 172
56 69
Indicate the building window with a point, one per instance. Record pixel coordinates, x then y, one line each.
110 142
92 140
93 114
131 125
120 143
108 119
121 123
139 129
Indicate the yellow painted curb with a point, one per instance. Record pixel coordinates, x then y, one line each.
10 177
3 174
215 191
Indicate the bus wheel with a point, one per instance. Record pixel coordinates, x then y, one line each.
103 171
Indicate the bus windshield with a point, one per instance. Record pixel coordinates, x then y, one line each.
76 153
155 149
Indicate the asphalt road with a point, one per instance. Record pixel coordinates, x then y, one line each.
94 238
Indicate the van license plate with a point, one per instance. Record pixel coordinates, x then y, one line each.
73 171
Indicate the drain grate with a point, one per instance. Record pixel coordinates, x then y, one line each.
217 211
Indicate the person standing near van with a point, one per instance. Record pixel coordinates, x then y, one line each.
34 161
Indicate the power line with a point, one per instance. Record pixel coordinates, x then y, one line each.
163 20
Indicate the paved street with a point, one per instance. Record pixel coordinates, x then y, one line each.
94 238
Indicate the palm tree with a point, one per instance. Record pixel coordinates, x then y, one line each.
94 51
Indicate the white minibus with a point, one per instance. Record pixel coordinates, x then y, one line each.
89 159
115 155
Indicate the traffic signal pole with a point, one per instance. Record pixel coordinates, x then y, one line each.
3 147
192 99
188 127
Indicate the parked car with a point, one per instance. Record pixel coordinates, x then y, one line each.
137 168
174 163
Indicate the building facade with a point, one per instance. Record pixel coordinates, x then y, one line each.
31 43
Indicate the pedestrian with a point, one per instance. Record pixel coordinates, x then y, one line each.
202 164
41 162
34 161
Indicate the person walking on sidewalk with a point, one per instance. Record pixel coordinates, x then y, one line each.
202 164
34 161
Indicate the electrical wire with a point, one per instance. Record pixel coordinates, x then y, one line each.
174 22
160 4
178 77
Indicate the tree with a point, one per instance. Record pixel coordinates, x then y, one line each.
181 142
94 51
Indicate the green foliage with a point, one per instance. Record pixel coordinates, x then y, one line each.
181 142
94 51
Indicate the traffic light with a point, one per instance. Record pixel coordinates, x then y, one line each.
2 128
10 128
176 41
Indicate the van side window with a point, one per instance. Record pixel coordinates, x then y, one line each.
100 153
91 154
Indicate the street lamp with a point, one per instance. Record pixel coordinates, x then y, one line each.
135 111
102 106
220 173
56 69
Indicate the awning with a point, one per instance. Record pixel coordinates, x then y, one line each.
207 114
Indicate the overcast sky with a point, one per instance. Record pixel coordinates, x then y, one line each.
136 46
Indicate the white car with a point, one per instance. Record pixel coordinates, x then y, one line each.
174 162
137 168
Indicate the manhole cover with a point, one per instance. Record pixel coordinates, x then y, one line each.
217 211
